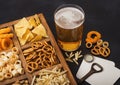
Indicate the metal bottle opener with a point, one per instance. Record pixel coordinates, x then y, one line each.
93 70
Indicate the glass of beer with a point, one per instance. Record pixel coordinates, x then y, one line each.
69 20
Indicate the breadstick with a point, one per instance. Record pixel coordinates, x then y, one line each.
10 35
5 30
28 50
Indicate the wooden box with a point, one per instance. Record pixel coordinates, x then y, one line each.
62 63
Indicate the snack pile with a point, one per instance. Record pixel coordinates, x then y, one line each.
30 30
21 82
40 55
73 57
10 64
27 48
96 44
6 38
52 77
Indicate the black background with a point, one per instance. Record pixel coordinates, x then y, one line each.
100 15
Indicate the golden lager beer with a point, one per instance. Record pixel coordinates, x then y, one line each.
69 26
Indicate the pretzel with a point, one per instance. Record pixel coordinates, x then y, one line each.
40 44
99 42
88 44
26 54
47 59
35 45
96 47
95 51
31 66
31 56
92 39
34 55
38 60
45 64
104 51
44 61
40 51
53 58
48 49
105 44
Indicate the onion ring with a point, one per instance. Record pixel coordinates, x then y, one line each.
6 43
92 39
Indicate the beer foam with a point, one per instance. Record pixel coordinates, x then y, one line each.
69 18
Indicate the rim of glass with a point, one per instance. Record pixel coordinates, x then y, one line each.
69 5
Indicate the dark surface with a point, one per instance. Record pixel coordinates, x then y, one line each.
101 15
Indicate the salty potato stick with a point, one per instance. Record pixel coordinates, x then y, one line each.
5 30
10 35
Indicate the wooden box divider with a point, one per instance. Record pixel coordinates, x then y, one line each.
22 57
